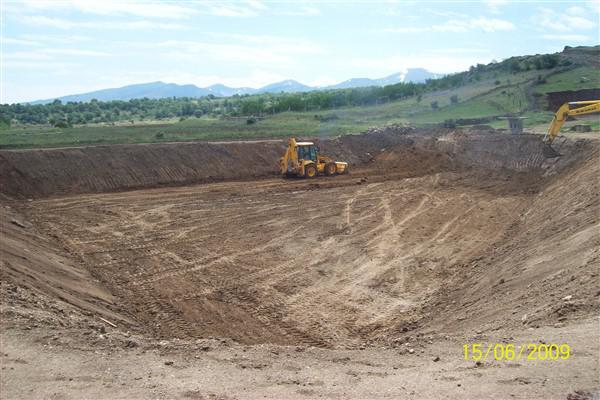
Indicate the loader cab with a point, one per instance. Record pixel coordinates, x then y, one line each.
307 151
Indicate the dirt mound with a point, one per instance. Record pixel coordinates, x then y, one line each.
41 173
49 172
94 169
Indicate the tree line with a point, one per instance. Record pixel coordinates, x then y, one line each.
76 113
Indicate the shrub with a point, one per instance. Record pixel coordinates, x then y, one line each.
328 117
450 123
62 124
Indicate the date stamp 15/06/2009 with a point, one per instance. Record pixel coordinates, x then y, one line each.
516 352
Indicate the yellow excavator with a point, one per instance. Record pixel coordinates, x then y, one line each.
302 159
571 109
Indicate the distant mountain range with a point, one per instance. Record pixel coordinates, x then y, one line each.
157 90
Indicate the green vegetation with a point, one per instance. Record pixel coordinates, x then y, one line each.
478 96
575 79
190 129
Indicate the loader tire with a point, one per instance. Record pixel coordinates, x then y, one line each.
310 171
330 169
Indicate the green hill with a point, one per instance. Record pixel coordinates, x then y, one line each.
515 86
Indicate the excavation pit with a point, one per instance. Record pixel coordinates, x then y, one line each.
416 239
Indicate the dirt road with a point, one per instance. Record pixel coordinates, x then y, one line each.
63 365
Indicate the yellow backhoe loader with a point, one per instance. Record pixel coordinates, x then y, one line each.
570 109
302 159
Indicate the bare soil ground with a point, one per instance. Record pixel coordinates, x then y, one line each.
362 286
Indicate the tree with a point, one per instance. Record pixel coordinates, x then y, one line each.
61 123
454 99
187 109
514 65
434 105
4 121
551 60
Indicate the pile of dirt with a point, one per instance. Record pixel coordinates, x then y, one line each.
95 169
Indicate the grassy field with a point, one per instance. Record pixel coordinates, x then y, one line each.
280 125
578 78
493 96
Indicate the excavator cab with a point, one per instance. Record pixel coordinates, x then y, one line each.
303 159
307 151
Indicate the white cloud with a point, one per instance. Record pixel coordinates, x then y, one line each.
301 12
140 9
59 23
405 29
145 9
45 65
495 5
576 10
458 50
566 37
32 56
452 25
445 13
193 51
76 52
459 26
56 38
252 50
256 4
492 24
323 80
281 42
20 42
594 5
248 8
232 11
551 20
439 63
50 54
255 78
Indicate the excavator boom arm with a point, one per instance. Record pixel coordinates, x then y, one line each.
565 111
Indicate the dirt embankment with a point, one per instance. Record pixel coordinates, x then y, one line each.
44 265
543 269
42 173
96 169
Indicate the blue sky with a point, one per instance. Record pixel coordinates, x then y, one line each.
54 48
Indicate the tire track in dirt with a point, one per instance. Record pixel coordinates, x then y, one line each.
284 268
